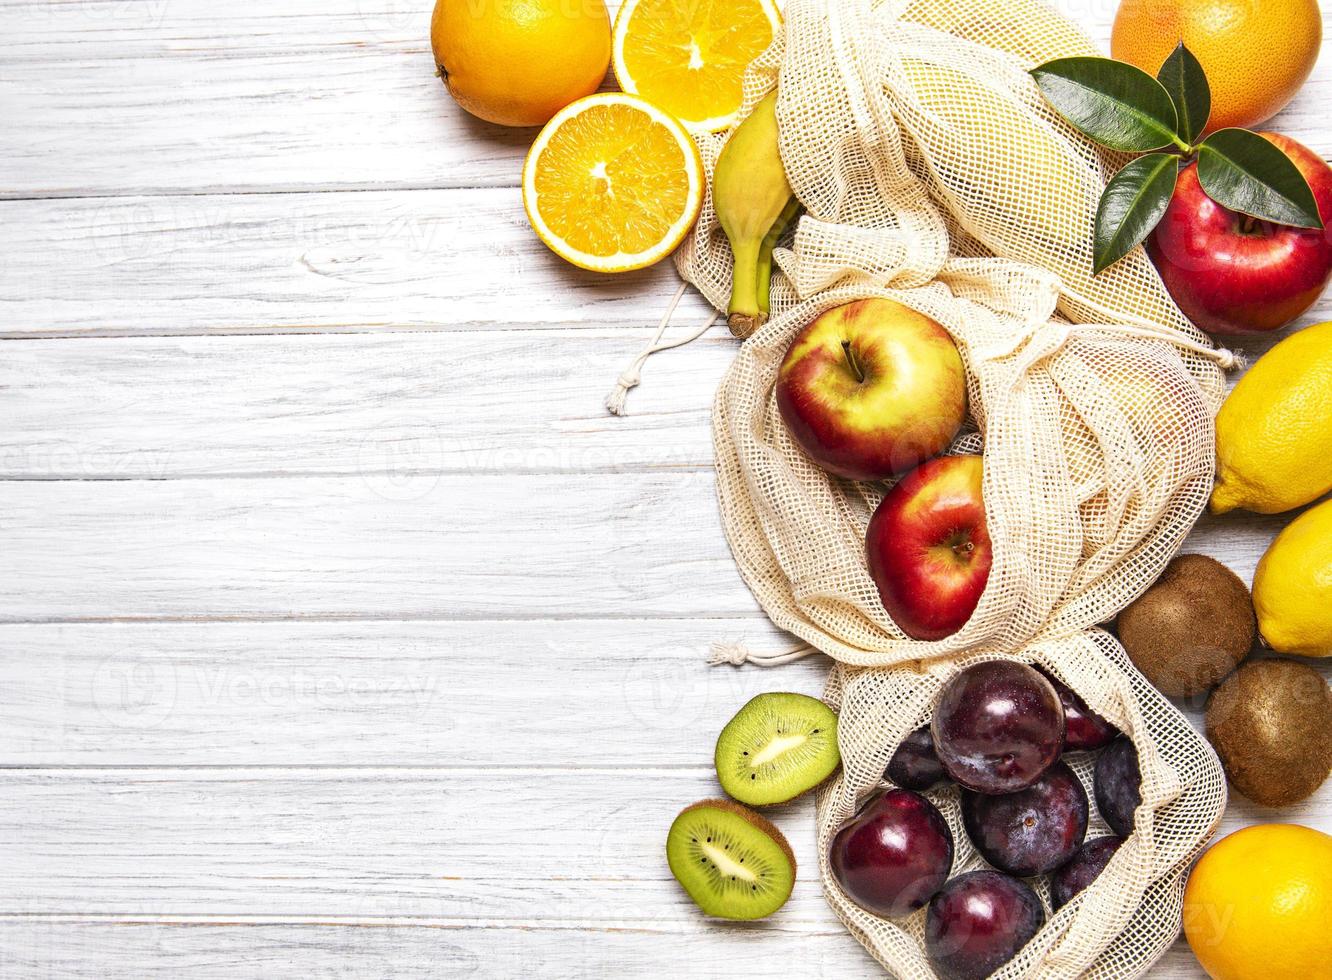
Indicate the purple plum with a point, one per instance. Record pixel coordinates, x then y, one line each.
998 726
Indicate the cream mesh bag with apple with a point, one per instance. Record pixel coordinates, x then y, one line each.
933 173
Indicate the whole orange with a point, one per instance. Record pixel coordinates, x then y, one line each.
1259 903
1256 53
518 62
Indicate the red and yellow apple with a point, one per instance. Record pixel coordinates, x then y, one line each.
871 388
928 548
1233 274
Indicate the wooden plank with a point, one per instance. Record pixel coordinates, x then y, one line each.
537 845
487 694
386 545
109 97
149 96
457 260
43 949
512 401
374 545
75 949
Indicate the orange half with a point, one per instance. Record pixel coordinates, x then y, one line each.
690 56
613 183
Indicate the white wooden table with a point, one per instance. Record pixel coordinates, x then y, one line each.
341 631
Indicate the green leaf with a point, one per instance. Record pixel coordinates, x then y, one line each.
1134 201
1244 172
1114 103
1186 82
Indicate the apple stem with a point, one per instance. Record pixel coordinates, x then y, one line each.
856 369
1247 224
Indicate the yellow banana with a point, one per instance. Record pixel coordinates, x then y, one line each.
754 204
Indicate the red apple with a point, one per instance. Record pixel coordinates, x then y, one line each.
928 549
869 389
1233 274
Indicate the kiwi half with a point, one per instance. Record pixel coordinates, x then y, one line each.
733 863
777 747
1271 724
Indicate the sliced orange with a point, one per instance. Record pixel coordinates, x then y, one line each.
690 56
612 183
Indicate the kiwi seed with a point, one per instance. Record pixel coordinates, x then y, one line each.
1191 628
1271 724
733 862
777 747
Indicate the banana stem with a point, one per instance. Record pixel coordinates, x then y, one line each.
744 307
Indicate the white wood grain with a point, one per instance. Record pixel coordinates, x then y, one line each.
530 845
481 694
378 545
453 260
273 100
185 95
510 401
67 948
64 949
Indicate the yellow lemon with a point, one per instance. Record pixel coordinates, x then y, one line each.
1273 432
518 62
1292 588
689 57
1256 53
612 183
1259 904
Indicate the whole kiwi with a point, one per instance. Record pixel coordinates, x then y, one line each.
1271 724
1191 628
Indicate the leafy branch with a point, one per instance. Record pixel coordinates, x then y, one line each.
1124 108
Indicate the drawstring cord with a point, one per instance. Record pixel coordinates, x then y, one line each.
1225 358
631 375
737 654
1056 333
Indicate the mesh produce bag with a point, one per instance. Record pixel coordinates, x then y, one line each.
933 173
1130 914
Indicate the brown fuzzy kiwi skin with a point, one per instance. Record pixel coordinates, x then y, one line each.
1271 724
1191 628
757 819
